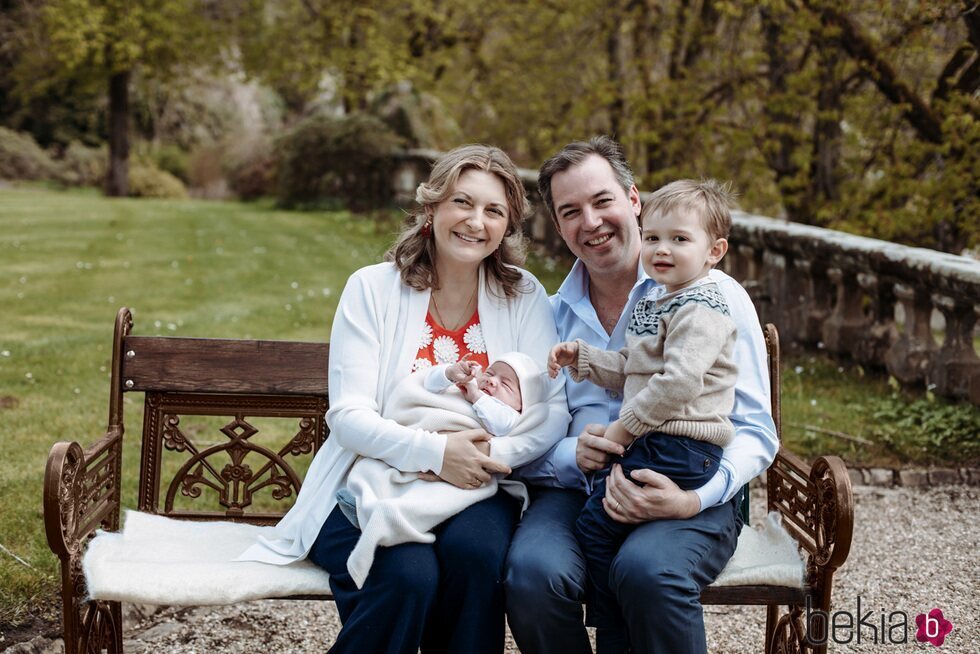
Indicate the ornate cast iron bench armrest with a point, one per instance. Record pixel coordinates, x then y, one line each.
81 494
817 508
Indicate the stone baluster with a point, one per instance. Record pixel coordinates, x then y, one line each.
881 331
740 264
796 300
847 324
772 300
955 369
909 357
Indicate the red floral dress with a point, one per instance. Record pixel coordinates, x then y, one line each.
439 345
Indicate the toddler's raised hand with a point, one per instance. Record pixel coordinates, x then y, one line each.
563 354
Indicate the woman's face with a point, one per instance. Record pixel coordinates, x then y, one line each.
471 222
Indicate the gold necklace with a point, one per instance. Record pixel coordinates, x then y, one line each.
459 321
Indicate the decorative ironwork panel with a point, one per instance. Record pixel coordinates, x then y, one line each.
215 455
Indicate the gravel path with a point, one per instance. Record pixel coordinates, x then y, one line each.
913 550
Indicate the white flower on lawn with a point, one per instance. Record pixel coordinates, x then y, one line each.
445 350
474 339
421 364
426 335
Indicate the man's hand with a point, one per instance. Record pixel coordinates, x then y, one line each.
593 451
561 355
659 499
464 463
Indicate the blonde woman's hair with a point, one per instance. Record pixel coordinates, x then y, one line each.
708 198
414 253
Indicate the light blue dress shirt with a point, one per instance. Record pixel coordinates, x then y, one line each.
755 443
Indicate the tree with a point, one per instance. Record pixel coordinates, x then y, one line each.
94 43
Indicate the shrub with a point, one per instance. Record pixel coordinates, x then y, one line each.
348 158
22 158
84 166
171 159
251 168
147 181
205 174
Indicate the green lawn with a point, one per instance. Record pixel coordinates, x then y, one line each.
69 260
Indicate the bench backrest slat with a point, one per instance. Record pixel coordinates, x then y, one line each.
206 365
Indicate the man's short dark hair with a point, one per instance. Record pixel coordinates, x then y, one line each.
575 153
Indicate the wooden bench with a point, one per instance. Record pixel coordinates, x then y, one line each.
240 388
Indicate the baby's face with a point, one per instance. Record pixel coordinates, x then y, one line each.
500 381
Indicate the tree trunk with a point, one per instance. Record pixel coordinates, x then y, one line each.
117 177
824 171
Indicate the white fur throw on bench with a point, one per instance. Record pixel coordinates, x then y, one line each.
157 560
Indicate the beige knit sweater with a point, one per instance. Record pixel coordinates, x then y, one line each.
677 371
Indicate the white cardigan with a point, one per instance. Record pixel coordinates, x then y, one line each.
373 344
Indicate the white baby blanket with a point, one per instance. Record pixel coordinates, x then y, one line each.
395 507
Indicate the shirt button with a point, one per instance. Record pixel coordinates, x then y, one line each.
613 395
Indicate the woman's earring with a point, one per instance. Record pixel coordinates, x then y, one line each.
427 228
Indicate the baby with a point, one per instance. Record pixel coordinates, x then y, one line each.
677 373
392 507
496 395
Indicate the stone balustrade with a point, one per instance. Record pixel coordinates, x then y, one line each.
867 300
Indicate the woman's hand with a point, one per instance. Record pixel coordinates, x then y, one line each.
466 462
563 354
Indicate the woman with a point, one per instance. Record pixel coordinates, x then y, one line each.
450 287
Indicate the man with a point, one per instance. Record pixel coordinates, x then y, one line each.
683 538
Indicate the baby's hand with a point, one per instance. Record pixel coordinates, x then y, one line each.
470 391
563 354
462 371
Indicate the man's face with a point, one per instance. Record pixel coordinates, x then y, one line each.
500 381
597 218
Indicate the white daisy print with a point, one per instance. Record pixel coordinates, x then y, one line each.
421 364
474 339
445 350
426 336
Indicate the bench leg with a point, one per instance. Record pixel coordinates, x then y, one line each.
772 617
96 628
788 633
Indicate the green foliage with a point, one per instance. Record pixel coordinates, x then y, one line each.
926 429
347 158
148 181
171 159
84 166
23 159
251 168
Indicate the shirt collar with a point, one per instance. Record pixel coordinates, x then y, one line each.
576 284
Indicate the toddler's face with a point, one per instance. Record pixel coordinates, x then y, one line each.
500 381
677 249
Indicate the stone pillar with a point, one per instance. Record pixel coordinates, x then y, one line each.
795 300
847 324
819 299
909 358
772 301
881 332
955 369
